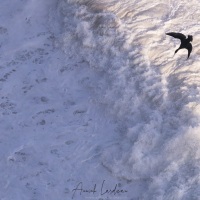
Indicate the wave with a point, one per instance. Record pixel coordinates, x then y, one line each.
153 96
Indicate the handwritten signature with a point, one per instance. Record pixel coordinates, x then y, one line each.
94 190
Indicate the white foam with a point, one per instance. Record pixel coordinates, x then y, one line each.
91 92
149 92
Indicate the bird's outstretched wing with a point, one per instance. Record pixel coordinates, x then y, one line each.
177 35
189 48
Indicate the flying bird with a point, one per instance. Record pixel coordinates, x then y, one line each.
185 42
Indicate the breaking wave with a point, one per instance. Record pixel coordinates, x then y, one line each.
153 96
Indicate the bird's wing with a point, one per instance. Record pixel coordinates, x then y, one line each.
189 48
177 35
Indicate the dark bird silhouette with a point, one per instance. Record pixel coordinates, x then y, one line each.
185 42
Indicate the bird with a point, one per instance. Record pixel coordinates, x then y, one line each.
185 42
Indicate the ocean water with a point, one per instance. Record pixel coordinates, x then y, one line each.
93 97
153 95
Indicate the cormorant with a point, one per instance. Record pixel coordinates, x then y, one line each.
185 42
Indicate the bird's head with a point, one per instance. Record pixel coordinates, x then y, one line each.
190 37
